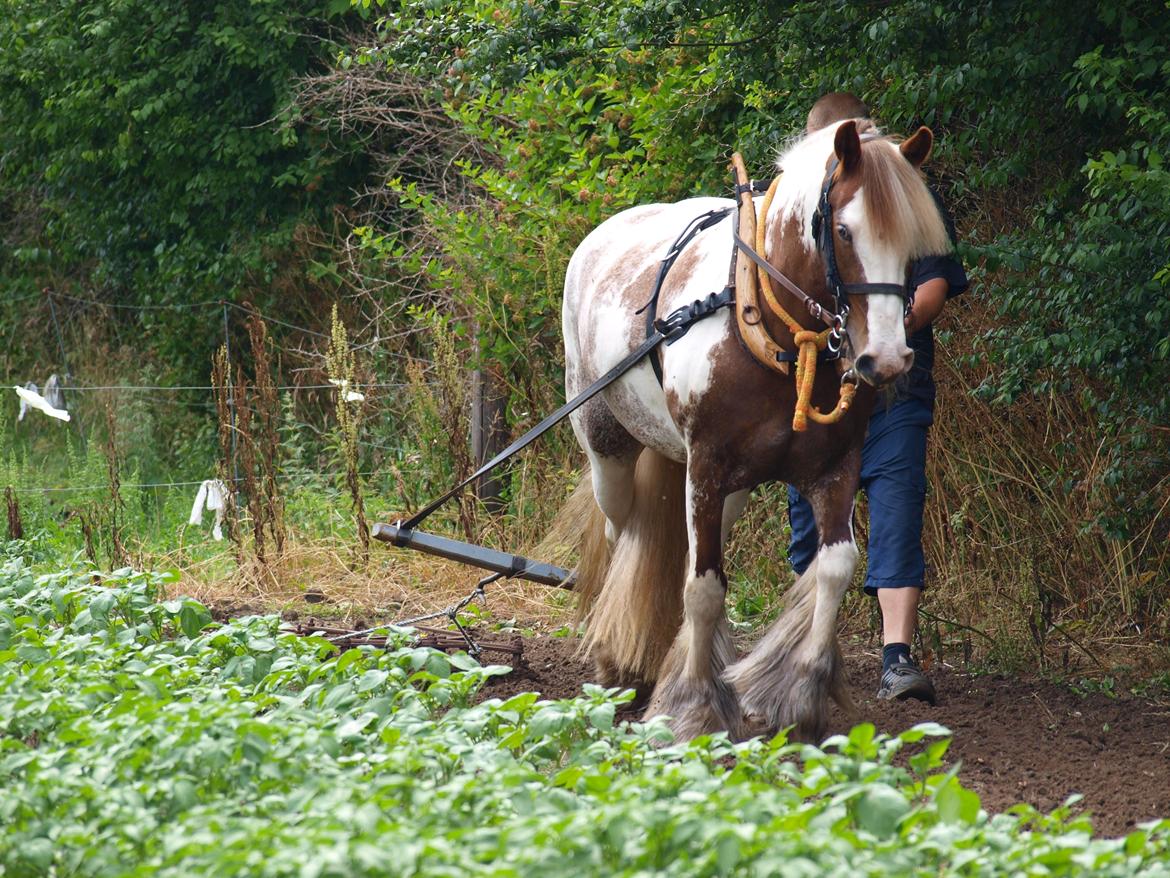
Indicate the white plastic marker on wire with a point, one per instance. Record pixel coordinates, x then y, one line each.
212 494
32 399
350 395
24 406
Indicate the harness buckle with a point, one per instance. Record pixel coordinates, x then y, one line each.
835 342
675 324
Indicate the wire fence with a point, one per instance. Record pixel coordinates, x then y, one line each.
83 388
142 485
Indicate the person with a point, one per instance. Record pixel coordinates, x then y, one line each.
893 459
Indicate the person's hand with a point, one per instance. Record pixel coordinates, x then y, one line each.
911 324
929 299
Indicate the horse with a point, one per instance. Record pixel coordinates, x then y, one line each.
672 462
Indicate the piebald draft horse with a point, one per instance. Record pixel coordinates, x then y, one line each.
672 463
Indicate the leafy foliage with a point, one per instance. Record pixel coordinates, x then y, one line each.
153 151
138 738
1100 328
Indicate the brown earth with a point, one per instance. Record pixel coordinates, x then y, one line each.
1018 739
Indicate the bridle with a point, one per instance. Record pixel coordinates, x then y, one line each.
822 232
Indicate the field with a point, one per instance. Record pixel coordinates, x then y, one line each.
283 269
141 737
1016 739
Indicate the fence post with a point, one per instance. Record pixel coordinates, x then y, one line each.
489 433
231 392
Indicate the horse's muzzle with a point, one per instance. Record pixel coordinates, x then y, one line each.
880 372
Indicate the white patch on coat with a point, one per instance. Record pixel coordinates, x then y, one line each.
835 565
704 603
837 561
689 362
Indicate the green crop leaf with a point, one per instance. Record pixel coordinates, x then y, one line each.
879 809
193 618
957 804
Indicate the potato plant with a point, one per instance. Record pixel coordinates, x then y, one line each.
137 737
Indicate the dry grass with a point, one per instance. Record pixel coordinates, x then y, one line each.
397 584
1019 568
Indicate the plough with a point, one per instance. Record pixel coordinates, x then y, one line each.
502 563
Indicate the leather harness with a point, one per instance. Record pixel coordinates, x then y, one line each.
812 346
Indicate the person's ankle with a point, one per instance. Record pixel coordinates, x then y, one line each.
894 653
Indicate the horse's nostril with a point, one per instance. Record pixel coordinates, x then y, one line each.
865 367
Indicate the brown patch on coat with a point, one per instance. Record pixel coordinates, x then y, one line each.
605 433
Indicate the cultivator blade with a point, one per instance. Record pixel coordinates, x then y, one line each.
502 563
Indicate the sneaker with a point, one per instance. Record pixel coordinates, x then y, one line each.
906 680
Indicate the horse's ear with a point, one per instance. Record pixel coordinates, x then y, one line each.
847 146
916 148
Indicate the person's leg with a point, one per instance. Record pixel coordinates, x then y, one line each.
899 613
802 546
894 479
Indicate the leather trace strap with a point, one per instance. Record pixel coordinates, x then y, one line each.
670 328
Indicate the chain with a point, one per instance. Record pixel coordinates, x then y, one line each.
452 613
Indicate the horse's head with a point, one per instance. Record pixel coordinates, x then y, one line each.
870 218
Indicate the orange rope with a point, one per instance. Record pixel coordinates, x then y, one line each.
808 342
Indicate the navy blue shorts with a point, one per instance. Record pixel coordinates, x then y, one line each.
893 476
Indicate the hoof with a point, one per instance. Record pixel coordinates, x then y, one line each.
610 675
791 694
697 707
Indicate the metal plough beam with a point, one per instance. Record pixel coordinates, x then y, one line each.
511 566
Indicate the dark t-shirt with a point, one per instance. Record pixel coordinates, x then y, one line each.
919 384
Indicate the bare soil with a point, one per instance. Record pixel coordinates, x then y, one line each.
1018 739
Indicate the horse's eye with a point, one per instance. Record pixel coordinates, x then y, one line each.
844 233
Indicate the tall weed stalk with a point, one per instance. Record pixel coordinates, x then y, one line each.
249 417
342 373
438 415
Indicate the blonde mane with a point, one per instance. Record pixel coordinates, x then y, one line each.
897 202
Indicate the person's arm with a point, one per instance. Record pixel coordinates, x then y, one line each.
929 299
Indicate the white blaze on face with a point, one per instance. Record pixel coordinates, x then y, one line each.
883 335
